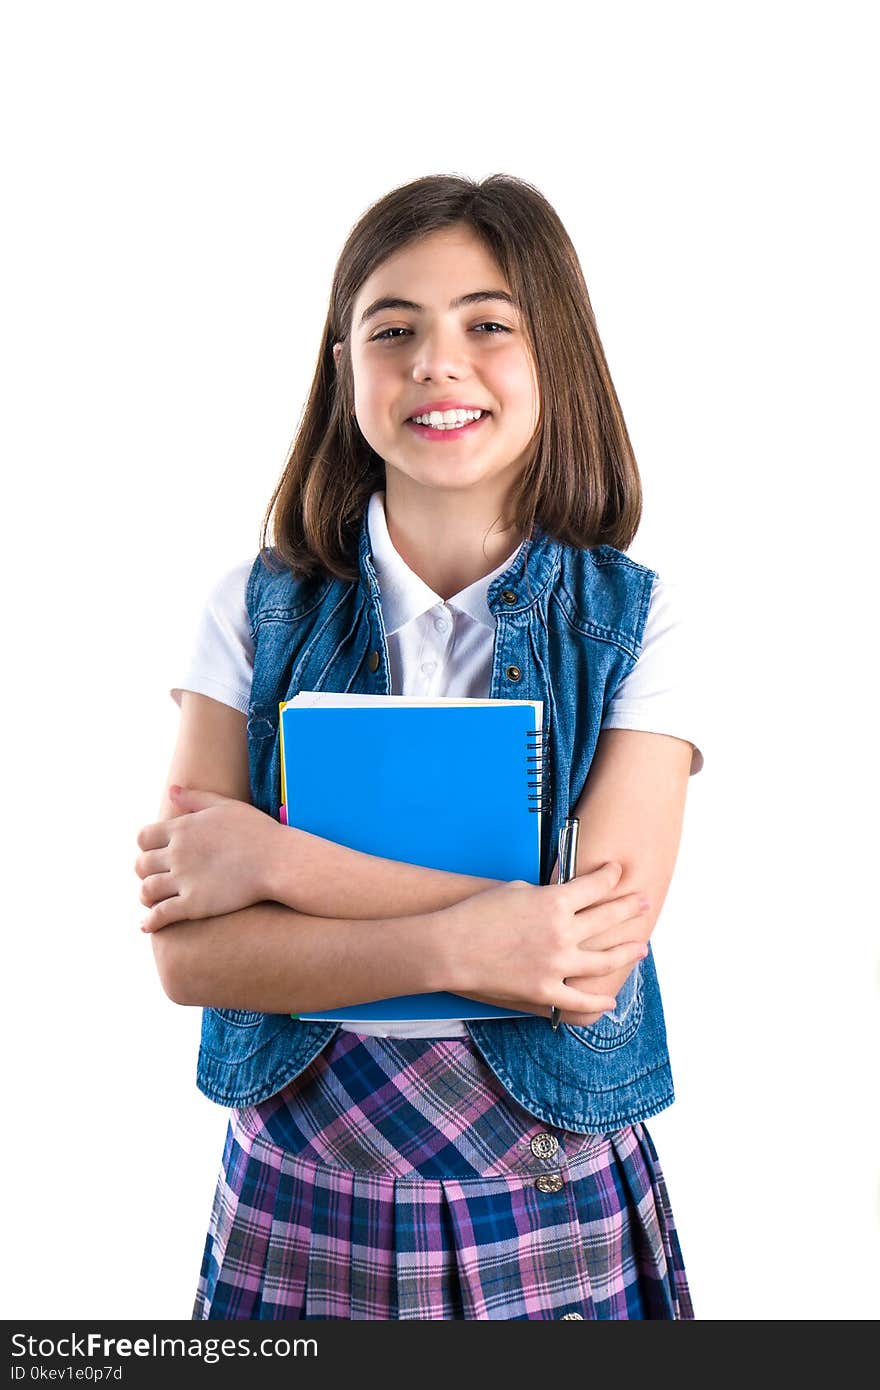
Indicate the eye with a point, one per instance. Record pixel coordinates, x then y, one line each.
383 335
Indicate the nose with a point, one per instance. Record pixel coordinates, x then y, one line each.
440 353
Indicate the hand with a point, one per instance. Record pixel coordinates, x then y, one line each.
211 860
529 947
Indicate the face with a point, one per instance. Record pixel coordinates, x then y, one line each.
434 352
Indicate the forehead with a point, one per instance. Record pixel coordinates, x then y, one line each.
443 264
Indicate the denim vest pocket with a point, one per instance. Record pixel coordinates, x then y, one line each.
233 1036
617 1026
241 1018
262 720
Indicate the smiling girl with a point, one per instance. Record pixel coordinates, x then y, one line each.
451 521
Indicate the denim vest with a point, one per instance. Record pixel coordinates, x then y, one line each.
569 627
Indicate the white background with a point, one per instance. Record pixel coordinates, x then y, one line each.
179 180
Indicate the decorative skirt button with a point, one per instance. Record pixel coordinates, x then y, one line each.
544 1145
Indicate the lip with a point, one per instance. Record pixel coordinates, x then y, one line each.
446 405
444 436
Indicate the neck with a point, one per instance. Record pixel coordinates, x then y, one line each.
447 538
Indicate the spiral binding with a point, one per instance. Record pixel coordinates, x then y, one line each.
540 796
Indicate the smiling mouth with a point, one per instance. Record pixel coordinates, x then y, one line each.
447 430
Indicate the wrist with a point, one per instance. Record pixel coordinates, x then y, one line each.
427 936
277 863
440 957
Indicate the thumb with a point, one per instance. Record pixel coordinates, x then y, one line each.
191 799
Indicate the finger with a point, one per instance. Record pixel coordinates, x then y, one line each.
153 836
577 1001
589 888
618 934
624 909
164 914
155 861
156 888
634 929
598 963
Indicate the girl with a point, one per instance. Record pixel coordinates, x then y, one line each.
452 521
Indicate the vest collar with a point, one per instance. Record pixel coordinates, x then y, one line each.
523 582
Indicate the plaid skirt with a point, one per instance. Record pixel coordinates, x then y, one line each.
398 1178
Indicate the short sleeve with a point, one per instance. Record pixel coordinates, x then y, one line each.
660 694
221 660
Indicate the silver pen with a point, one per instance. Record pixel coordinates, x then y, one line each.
567 858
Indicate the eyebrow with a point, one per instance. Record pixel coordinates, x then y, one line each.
392 302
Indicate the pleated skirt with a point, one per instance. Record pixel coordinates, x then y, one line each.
397 1178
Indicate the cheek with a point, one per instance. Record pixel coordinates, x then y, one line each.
519 382
373 390
511 364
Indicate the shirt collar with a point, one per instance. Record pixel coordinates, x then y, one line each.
404 595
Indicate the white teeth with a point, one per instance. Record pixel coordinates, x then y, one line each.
447 419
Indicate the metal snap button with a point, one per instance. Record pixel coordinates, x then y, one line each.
514 673
373 661
508 595
579 1316
549 1182
544 1145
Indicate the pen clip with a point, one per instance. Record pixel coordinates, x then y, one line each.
568 843
567 861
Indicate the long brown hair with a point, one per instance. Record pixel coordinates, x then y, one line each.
580 482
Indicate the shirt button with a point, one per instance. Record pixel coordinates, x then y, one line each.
428 666
544 1145
549 1182
579 1316
441 624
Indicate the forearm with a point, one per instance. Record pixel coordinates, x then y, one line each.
274 960
325 879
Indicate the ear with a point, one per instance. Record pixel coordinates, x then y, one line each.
337 349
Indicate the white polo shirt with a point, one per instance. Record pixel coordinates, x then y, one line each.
442 647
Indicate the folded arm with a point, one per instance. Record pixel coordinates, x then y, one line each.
274 960
631 810
321 877
364 928
303 924
226 855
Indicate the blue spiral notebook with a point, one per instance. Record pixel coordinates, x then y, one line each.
450 784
